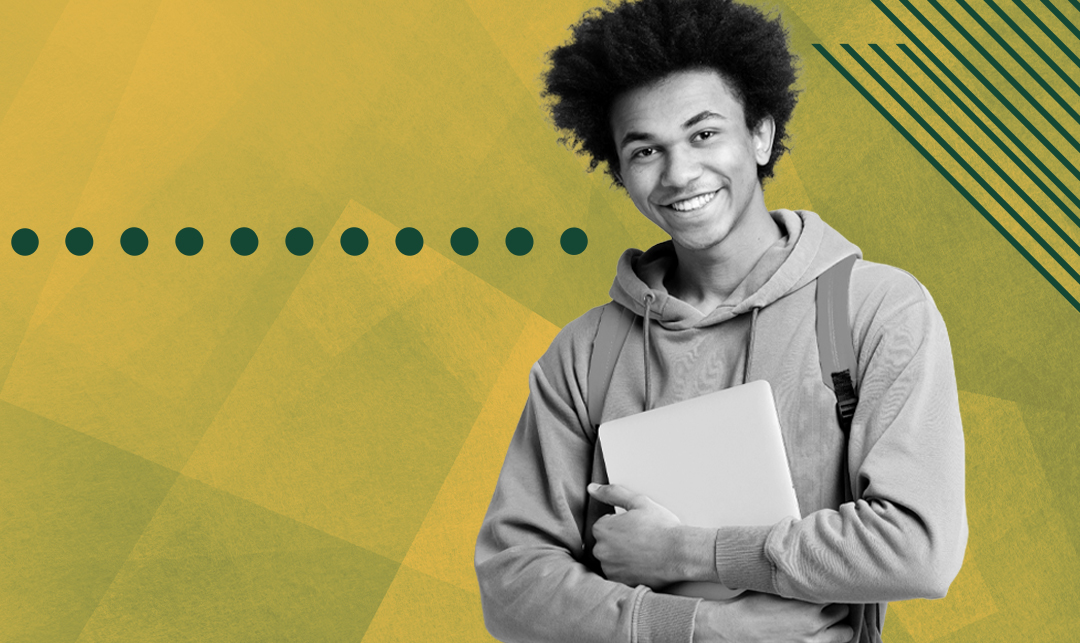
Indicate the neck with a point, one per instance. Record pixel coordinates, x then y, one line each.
706 277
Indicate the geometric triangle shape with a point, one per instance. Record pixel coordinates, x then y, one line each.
212 567
469 325
418 607
1019 538
355 444
193 67
1002 466
71 507
786 189
969 600
443 547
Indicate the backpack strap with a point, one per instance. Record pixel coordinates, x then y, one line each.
615 323
835 347
836 351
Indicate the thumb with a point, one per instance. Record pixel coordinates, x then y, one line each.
617 496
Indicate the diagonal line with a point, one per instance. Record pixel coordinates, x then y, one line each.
1046 30
1001 70
970 170
56 258
982 154
1065 21
1001 144
127 559
949 177
982 79
1030 43
105 594
465 443
1012 137
6 109
1020 59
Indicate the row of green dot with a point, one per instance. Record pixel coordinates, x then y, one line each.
244 241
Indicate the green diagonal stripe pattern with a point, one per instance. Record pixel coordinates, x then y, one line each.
1017 57
985 139
990 134
978 150
1048 31
952 180
1029 42
982 79
1006 75
1034 131
967 167
1057 14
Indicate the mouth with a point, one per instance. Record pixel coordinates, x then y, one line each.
694 202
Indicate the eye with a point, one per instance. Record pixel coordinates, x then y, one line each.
705 135
643 153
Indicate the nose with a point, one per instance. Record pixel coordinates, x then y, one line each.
680 169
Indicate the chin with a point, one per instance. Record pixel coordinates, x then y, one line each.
697 243
702 240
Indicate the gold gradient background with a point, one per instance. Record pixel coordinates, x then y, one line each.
283 448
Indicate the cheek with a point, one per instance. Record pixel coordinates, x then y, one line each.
643 208
637 192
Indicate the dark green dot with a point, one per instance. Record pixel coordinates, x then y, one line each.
354 241
299 241
464 241
244 241
189 241
24 241
79 241
519 241
574 241
409 241
134 241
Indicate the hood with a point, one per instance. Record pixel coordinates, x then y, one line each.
808 248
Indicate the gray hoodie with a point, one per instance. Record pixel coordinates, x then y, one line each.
904 537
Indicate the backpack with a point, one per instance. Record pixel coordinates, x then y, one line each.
835 350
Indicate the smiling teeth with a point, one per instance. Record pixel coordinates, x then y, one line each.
694 203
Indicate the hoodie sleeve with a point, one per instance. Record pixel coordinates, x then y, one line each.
905 536
533 583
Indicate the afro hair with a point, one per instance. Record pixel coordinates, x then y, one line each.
635 43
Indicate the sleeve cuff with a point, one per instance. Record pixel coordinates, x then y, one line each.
664 618
740 558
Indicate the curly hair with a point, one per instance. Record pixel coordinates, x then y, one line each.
635 43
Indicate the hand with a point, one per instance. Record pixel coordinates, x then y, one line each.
649 545
765 618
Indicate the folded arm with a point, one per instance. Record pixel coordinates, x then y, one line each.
533 584
905 535
903 538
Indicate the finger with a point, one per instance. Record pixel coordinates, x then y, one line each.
839 634
835 612
616 495
600 527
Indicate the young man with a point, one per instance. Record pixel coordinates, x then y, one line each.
687 102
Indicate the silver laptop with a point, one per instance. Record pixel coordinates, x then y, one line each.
714 461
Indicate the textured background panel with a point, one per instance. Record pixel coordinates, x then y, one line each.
301 448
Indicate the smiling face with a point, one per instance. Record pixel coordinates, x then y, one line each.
689 162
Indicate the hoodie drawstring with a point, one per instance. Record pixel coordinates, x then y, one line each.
649 297
750 345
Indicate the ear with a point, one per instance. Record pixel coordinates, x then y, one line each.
763 140
617 174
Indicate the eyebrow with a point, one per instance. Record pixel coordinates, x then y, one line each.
692 121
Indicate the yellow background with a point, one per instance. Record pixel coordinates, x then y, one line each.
273 447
